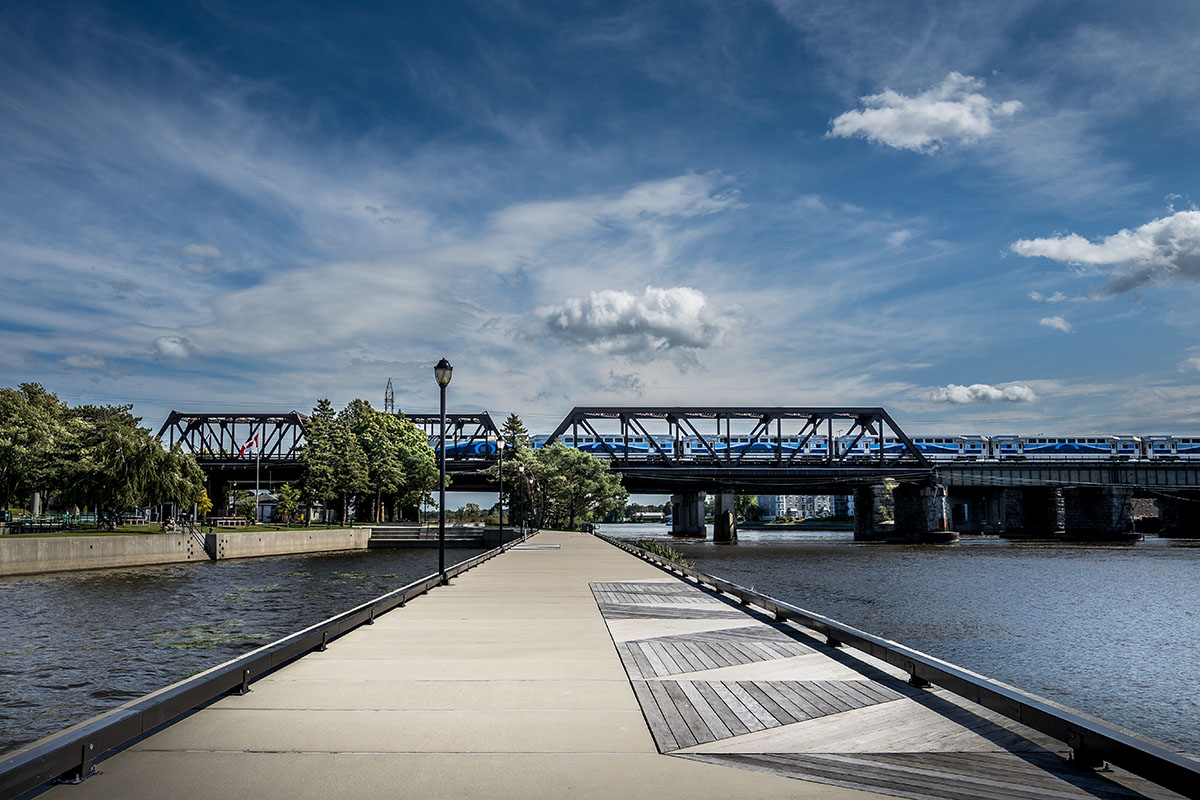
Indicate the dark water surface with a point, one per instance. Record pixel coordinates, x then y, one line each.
75 644
1112 630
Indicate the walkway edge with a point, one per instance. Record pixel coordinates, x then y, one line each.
1091 740
70 755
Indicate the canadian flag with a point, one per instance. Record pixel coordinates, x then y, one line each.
248 445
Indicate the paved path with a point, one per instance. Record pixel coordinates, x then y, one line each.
522 679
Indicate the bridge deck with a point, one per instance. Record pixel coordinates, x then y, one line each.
568 668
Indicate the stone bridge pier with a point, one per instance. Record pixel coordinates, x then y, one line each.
1097 513
687 514
1180 514
922 513
872 507
725 518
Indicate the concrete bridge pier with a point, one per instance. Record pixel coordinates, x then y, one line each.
687 514
1033 513
872 506
1098 513
725 518
922 514
1180 515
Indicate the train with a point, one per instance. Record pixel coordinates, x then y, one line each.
935 447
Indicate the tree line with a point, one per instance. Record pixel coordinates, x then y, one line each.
92 457
99 458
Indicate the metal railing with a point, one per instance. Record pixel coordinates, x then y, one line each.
70 755
1091 740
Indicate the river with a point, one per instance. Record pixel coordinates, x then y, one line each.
1112 630
75 644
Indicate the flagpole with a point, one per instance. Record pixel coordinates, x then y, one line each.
257 461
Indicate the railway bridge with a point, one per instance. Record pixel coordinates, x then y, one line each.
737 450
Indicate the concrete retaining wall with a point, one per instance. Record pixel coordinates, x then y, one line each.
281 543
26 555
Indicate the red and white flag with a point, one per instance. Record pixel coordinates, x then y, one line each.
252 443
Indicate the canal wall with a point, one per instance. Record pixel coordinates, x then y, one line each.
27 555
282 543
24 555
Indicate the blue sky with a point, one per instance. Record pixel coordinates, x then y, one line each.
979 216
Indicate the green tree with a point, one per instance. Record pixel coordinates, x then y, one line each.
514 432
319 457
470 512
399 463
243 504
746 507
575 485
287 502
118 465
34 442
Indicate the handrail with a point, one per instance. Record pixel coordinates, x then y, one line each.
70 754
1091 740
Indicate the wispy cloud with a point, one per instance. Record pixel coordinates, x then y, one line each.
1057 323
953 112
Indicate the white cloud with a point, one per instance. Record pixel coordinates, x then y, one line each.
83 361
983 393
206 251
1058 323
172 348
1190 364
953 112
617 321
1160 248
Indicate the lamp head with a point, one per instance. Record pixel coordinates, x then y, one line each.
442 372
500 443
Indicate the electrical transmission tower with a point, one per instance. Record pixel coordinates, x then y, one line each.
389 399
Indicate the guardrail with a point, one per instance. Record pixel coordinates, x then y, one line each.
70 755
1092 741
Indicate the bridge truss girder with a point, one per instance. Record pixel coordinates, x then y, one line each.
463 430
800 422
222 438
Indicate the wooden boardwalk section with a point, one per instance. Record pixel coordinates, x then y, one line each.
569 668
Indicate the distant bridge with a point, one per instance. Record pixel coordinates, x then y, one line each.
687 451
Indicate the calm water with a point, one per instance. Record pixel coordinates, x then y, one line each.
1110 630
75 644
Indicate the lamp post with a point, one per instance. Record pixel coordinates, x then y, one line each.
521 469
441 374
500 449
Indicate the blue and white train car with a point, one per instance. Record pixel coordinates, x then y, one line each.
969 447
1171 448
607 446
1055 448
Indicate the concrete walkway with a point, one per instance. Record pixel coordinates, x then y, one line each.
568 668
505 684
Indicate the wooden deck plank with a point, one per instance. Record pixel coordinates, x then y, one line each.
664 739
695 723
675 721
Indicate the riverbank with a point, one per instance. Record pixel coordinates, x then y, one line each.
25 555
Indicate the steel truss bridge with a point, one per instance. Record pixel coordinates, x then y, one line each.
219 443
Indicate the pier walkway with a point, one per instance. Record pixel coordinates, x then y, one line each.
568 668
